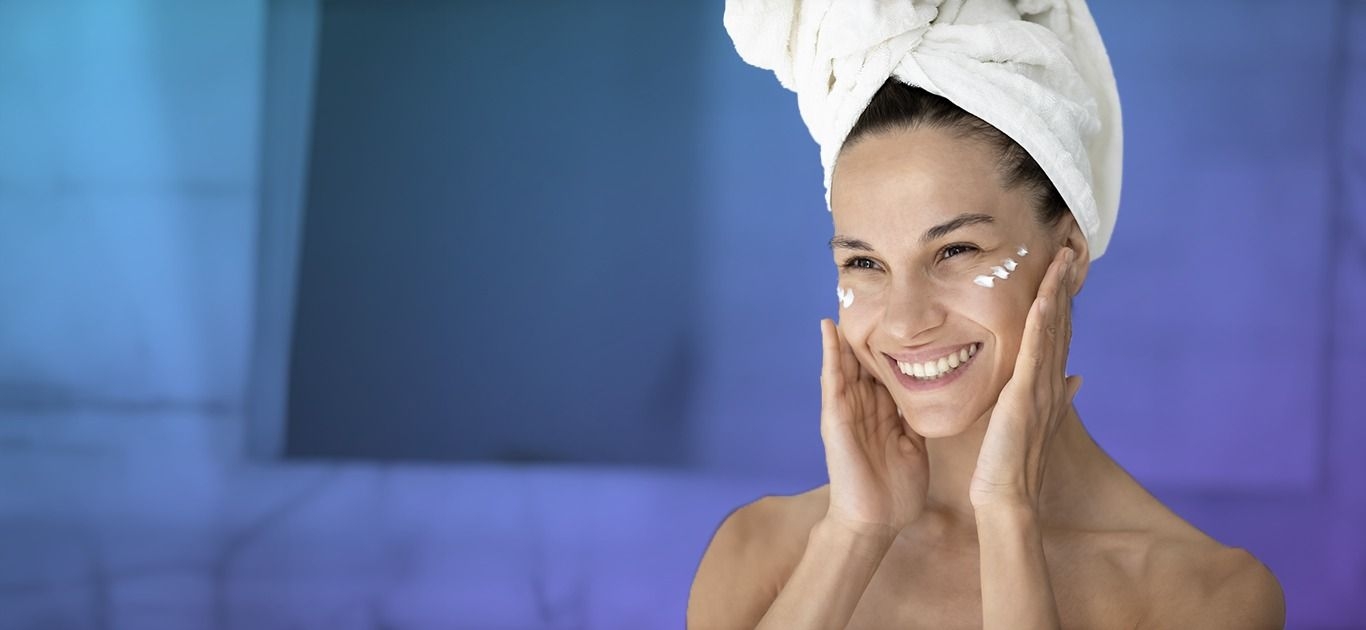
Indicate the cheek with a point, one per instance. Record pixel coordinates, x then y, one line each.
861 301
999 292
857 309
860 306
859 298
991 308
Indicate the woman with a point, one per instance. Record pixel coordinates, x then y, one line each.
964 490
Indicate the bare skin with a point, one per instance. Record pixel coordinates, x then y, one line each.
1129 563
983 503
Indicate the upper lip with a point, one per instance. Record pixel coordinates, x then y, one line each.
921 356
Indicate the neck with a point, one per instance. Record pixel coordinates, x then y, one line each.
1075 467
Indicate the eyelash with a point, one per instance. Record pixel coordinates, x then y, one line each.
852 262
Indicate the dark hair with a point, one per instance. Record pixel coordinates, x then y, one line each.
902 107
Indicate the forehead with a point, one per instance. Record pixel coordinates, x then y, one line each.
906 181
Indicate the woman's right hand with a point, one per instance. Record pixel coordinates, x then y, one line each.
878 469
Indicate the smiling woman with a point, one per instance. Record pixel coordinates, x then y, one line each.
915 168
964 490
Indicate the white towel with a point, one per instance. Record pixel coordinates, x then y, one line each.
1034 69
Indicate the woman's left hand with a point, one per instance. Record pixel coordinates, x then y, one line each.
1034 400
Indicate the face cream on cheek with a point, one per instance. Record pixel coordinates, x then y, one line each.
846 296
1001 271
990 281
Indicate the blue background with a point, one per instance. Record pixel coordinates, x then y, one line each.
149 150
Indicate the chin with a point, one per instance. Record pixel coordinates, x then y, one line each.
940 426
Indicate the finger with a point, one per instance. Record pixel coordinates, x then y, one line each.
830 380
883 414
1064 318
849 364
1038 345
1073 386
1028 360
910 441
1054 288
917 440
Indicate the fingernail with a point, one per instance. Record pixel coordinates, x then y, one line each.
1071 254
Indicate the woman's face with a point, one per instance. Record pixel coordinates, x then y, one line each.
913 289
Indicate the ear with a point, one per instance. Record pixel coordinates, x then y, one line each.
1073 237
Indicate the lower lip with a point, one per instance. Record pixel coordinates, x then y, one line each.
916 385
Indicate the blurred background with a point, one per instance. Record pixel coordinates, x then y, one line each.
361 314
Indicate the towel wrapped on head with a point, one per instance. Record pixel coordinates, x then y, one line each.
1034 69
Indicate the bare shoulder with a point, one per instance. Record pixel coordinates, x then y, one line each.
1195 582
750 556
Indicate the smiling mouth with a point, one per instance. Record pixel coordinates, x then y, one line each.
929 371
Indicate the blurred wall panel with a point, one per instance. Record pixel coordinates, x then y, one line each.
125 198
290 44
128 153
499 247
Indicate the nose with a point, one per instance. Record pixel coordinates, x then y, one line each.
912 308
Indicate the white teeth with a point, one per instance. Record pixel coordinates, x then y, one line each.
930 370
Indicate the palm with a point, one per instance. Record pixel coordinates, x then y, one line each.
878 470
997 457
1010 465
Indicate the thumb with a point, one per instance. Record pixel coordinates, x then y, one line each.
1073 385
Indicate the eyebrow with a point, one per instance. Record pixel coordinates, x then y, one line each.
930 235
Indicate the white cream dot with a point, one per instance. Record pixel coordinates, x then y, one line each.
846 296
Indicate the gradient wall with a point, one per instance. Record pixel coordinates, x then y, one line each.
1220 335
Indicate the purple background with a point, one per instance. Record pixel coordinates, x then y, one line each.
1220 337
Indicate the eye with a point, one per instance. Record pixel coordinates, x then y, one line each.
953 250
857 263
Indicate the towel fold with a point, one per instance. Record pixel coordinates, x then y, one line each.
1034 69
